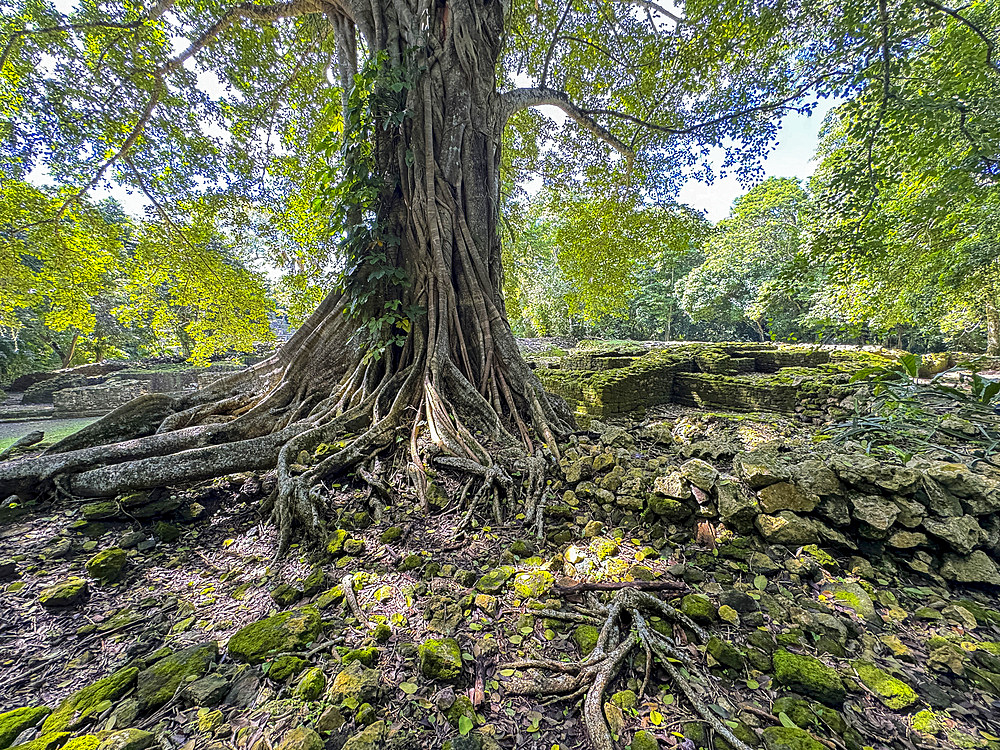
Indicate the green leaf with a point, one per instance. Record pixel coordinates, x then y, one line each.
408 687
465 725
786 721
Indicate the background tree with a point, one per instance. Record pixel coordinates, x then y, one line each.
747 277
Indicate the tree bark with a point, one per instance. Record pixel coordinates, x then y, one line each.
456 387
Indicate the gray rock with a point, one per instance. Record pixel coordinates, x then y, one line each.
699 473
673 485
974 568
875 510
816 477
737 505
853 596
760 468
907 539
786 496
207 691
911 513
786 528
963 533
940 501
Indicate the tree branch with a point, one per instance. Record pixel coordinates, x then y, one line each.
990 44
518 99
656 7
63 27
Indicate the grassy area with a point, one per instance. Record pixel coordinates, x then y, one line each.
54 429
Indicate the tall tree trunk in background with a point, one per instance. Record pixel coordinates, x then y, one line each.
456 389
992 310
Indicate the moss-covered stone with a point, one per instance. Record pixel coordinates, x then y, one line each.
286 631
788 738
585 636
371 738
107 565
390 535
699 608
441 659
158 683
301 738
494 581
604 548
893 693
366 656
79 706
166 532
284 595
66 593
128 739
809 676
643 740
796 709
461 707
14 722
725 653
533 584
286 666
85 742
312 685
335 544
354 685
927 722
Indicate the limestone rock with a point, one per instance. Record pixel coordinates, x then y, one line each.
786 496
963 533
370 738
974 568
356 683
790 738
907 540
737 506
107 566
809 676
67 593
672 485
759 468
533 584
699 473
853 596
128 739
441 659
285 631
786 527
301 738
158 683
875 510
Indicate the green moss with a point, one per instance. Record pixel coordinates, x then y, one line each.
301 738
927 722
786 738
312 685
286 631
14 722
726 653
533 584
78 707
86 742
585 636
107 566
286 666
335 544
893 693
158 683
494 581
366 656
440 659
796 709
699 608
809 676
461 707
64 594
354 685
390 535
643 740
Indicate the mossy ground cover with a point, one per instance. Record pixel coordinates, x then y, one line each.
368 670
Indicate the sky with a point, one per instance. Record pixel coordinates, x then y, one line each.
793 157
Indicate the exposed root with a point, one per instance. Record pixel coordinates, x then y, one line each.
624 630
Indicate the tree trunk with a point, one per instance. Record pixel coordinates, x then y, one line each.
454 388
992 326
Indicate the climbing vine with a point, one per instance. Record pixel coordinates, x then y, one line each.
352 190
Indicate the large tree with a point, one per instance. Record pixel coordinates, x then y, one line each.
388 119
